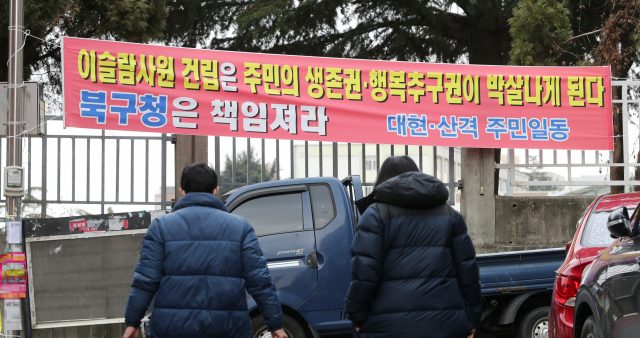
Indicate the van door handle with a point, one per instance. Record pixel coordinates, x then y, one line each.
312 261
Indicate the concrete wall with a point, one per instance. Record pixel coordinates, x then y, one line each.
526 223
502 223
477 199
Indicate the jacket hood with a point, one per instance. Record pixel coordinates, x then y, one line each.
199 199
413 190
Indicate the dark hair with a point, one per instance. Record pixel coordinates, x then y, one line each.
198 177
394 166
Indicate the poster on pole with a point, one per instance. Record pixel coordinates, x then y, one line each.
13 269
14 232
135 87
12 315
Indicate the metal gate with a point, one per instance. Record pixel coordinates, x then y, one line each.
630 104
48 165
69 169
312 159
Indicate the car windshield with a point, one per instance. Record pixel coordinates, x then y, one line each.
596 233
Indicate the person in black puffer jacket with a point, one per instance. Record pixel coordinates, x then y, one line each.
414 268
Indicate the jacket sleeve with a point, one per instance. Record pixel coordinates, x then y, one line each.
258 280
367 251
148 274
464 260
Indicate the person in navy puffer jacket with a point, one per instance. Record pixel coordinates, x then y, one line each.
414 269
200 259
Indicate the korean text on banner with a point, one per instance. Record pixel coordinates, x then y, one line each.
124 86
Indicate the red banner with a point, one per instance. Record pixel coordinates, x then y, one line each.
125 86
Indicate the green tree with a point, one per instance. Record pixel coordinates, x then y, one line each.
122 20
601 32
241 170
419 30
604 33
537 27
618 43
473 31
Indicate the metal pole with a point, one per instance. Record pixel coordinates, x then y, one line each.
16 97
625 139
15 113
452 176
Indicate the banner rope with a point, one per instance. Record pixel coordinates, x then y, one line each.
27 33
24 40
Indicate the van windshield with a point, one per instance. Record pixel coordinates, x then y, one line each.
596 233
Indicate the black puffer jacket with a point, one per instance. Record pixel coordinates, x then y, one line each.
414 268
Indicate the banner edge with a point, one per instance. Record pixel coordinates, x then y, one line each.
64 99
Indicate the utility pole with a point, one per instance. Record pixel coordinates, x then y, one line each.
15 115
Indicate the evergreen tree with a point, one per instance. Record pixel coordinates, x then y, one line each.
537 27
241 171
604 34
419 30
122 20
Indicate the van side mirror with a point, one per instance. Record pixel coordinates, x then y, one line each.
566 250
619 224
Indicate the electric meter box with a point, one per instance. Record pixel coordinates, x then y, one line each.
14 181
34 109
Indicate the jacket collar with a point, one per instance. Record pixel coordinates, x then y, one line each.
199 199
408 190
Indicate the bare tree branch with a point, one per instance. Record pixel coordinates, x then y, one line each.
580 36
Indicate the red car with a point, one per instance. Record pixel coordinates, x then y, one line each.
591 238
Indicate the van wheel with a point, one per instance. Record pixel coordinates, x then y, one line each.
589 329
291 327
535 324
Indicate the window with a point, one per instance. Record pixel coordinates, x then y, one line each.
446 167
322 204
273 214
439 167
596 233
371 163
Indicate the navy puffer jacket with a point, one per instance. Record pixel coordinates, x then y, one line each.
414 269
200 259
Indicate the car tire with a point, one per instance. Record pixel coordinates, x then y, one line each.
535 324
589 329
291 327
